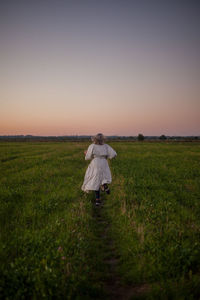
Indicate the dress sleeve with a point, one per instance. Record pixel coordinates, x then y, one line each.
111 152
89 154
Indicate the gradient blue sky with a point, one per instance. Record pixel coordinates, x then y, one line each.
117 67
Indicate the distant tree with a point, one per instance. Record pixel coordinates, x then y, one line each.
162 137
140 137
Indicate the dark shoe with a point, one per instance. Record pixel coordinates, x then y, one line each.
108 191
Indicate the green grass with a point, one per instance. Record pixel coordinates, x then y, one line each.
155 214
50 247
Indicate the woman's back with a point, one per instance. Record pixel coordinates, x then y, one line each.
100 150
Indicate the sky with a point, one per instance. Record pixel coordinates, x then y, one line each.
83 67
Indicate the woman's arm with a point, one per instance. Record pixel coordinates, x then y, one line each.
111 152
89 152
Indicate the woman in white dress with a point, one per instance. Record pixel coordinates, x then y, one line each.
98 173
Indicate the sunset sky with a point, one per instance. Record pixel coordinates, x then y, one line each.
83 67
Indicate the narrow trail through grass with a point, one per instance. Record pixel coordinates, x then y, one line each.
113 285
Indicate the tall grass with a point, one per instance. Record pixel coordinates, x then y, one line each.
47 236
155 214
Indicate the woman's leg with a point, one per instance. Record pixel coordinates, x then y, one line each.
106 188
97 195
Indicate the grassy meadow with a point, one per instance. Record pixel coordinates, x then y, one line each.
51 245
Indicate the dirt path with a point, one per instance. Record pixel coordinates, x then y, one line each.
113 283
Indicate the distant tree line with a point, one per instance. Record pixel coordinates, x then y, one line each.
77 138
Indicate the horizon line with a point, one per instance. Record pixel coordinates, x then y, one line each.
90 135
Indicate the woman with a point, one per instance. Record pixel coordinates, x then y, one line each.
98 172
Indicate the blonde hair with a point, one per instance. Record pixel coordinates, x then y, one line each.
98 139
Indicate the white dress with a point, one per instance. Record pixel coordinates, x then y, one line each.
98 171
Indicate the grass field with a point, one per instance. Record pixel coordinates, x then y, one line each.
56 245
